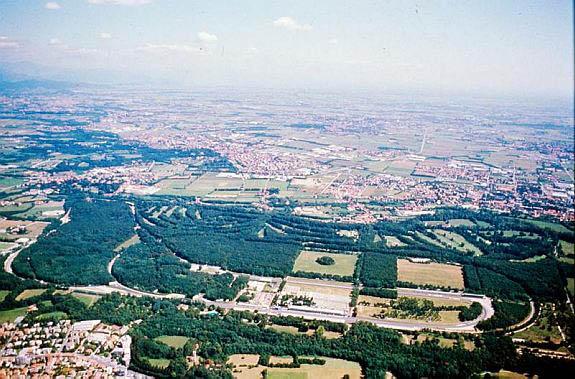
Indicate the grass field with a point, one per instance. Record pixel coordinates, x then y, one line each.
456 241
436 274
567 247
6 245
3 295
546 225
159 362
26 294
54 316
344 263
87 299
11 314
176 342
391 241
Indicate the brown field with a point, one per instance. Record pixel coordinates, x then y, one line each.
26 294
437 274
246 367
33 229
333 368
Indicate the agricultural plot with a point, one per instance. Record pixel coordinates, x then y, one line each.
333 368
434 274
344 263
26 294
12 230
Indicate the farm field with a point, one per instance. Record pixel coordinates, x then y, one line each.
436 274
333 368
3 295
176 342
26 294
344 263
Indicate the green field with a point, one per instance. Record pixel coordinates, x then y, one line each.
5 245
54 316
11 314
159 362
86 298
456 241
3 295
176 342
568 248
344 263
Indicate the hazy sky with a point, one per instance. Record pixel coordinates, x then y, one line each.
502 47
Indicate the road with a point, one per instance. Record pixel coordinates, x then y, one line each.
467 326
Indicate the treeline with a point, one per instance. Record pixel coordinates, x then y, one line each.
77 253
378 270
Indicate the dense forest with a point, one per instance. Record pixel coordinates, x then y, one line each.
77 253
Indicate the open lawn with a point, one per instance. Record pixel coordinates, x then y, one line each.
11 314
437 274
176 342
344 263
26 294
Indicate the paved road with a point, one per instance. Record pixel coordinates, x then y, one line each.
468 326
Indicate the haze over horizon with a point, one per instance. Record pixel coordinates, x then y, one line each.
518 48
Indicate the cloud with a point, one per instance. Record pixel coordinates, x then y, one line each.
120 2
6 43
105 35
52 5
207 37
55 41
174 48
333 41
290 24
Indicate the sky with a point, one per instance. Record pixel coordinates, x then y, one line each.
522 47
